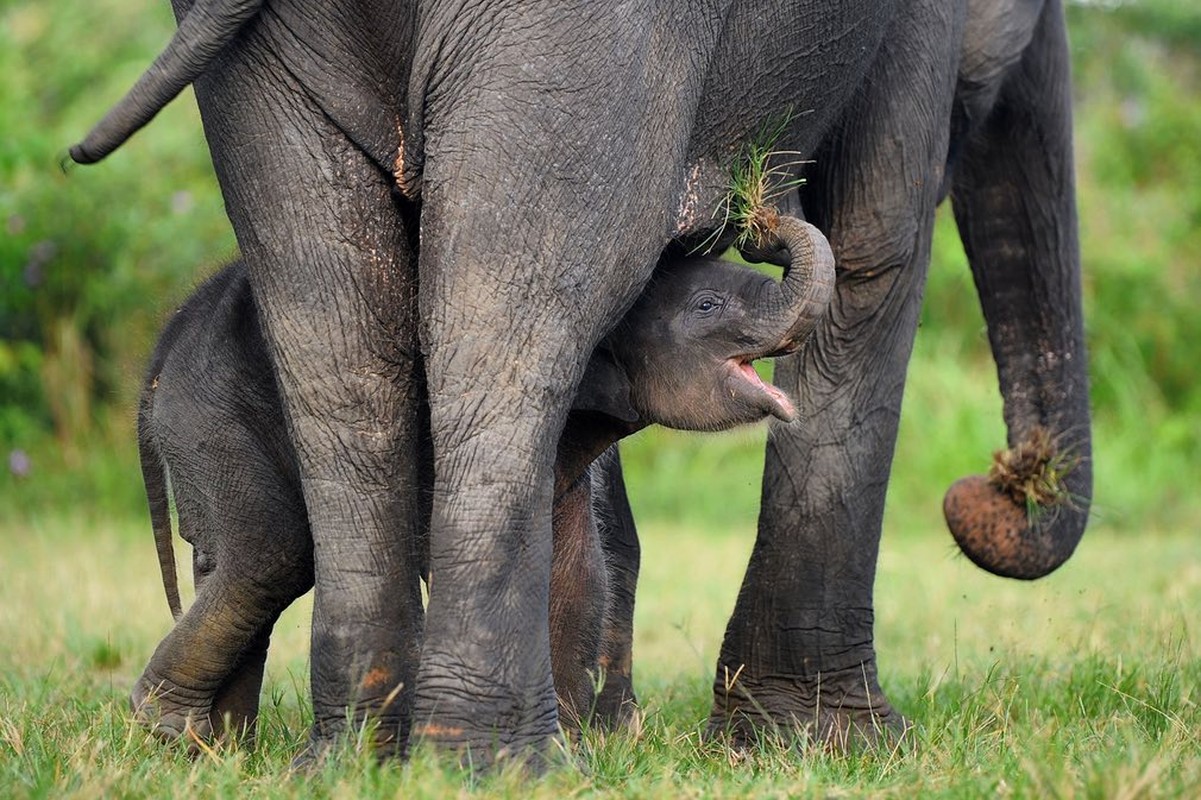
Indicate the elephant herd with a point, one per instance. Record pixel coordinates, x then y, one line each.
471 243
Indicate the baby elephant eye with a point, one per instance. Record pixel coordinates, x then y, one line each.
707 305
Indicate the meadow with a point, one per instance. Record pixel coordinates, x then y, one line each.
1083 684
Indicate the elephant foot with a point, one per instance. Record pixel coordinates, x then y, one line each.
616 707
363 728
843 710
482 736
172 712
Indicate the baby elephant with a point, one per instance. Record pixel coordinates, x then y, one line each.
210 417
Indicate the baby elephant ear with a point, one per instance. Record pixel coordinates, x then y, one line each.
605 388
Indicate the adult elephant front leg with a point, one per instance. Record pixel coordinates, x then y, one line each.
798 655
332 273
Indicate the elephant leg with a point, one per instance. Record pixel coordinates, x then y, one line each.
330 264
235 709
532 245
282 571
578 599
616 703
206 675
176 693
798 656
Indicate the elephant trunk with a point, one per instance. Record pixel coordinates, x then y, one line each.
803 296
203 33
1025 518
1013 194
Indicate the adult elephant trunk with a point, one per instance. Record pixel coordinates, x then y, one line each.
204 31
791 309
1014 202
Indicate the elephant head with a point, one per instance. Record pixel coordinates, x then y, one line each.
688 343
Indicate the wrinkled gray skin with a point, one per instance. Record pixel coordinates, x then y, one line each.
210 418
547 153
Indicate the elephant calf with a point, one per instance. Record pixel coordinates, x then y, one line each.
210 416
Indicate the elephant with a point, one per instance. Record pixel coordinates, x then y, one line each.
444 207
210 418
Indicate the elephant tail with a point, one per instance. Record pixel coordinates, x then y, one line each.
203 33
154 477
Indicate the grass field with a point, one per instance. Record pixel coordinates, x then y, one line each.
1082 685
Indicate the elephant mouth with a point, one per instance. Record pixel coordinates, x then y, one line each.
745 382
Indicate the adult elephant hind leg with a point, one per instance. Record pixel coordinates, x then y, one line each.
798 657
332 274
500 389
540 224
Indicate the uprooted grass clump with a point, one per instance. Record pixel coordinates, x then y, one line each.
1033 472
759 175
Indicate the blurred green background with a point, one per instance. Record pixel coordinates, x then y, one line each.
91 262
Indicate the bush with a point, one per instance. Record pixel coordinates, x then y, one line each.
91 261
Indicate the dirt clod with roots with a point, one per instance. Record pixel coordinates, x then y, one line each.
1032 472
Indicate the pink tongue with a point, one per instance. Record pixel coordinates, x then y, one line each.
783 406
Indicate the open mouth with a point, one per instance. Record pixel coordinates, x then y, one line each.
762 395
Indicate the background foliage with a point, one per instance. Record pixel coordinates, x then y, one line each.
91 261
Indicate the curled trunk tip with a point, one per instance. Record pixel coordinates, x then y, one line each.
808 284
1026 517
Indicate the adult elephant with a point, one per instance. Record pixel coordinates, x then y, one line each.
453 202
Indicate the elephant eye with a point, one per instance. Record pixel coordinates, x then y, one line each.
707 304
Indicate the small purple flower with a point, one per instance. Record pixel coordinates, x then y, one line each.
15 224
42 252
40 255
19 463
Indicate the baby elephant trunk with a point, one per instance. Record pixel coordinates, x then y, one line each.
792 309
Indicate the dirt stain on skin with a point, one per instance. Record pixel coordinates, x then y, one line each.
623 667
398 166
437 731
376 678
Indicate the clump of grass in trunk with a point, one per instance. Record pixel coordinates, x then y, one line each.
1032 473
758 178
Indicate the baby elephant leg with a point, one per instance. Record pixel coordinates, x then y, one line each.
578 604
236 707
204 679
616 703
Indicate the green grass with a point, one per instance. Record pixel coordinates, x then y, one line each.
1083 684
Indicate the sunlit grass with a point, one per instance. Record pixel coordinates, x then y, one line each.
1083 684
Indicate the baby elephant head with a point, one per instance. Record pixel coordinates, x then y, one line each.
688 343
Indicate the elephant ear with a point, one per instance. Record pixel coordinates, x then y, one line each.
605 388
